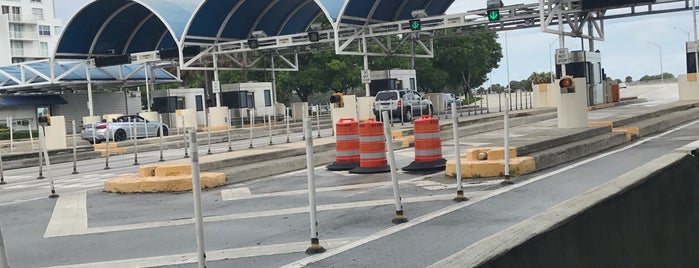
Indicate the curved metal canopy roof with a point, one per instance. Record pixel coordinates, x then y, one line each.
106 27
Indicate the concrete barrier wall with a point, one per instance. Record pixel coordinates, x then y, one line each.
648 217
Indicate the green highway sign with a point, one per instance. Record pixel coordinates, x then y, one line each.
415 25
494 15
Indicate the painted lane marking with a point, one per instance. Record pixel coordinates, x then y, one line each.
236 193
452 208
69 216
213 255
68 221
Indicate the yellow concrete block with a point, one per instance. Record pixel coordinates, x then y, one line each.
103 146
499 153
173 170
396 134
692 77
631 132
494 153
112 151
601 124
147 170
138 184
491 168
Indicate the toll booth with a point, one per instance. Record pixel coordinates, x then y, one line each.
587 64
242 96
395 79
688 83
691 57
167 102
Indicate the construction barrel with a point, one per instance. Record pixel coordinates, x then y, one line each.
428 146
372 149
346 145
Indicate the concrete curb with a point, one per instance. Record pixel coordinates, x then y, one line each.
485 251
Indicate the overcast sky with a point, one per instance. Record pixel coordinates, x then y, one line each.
626 50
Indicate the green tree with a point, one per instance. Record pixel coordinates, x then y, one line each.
628 79
467 59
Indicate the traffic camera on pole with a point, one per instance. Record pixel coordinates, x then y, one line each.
337 99
567 85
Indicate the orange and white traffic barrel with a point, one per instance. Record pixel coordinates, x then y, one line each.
372 149
428 146
346 145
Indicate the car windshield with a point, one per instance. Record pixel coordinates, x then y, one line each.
384 96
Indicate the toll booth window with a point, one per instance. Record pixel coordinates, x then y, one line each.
268 98
200 103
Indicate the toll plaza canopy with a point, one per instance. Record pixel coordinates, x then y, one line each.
106 27
127 27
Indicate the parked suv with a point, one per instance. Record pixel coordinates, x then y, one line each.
402 104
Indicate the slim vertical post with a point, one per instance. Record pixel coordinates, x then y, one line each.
2 182
42 143
229 122
457 153
41 161
208 134
107 135
3 255
135 145
31 135
196 190
252 125
318 119
75 150
399 217
269 120
310 167
160 130
12 130
507 180
288 129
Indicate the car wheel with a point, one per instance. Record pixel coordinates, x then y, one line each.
407 115
120 135
165 132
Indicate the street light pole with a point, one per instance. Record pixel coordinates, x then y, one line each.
681 30
696 53
660 50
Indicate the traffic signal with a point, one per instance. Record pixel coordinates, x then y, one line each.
415 24
493 14
45 120
567 84
337 99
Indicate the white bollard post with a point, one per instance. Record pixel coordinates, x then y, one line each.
135 145
42 143
318 119
12 130
399 218
252 125
310 167
3 255
229 122
31 135
288 129
196 190
457 153
2 182
269 120
208 135
75 150
107 135
507 180
41 162
160 133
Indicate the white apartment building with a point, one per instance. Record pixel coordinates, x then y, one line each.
28 30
